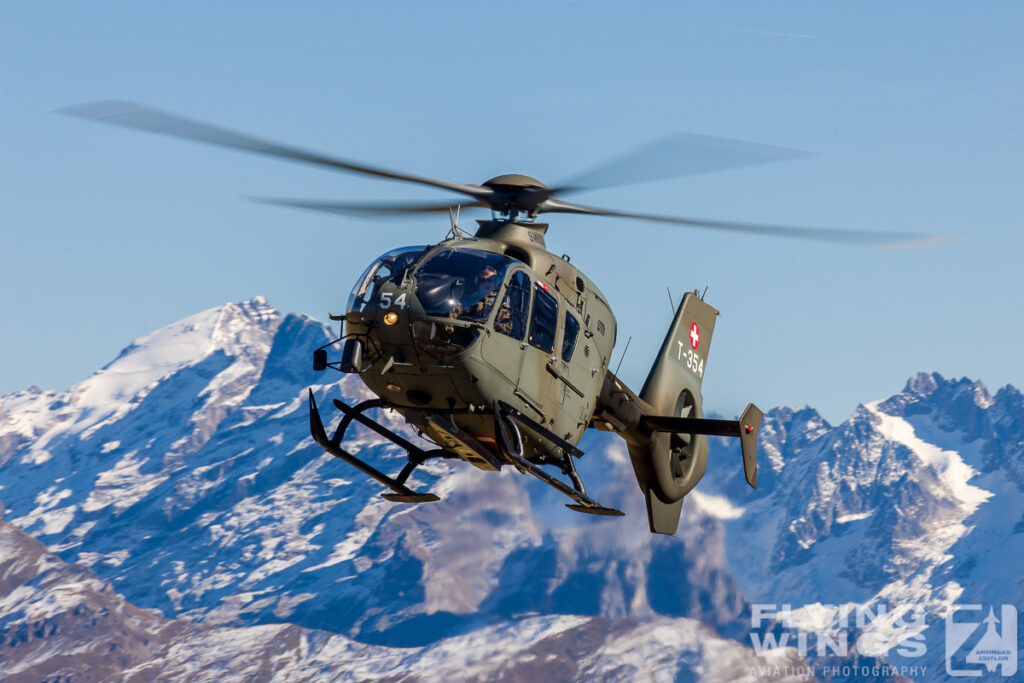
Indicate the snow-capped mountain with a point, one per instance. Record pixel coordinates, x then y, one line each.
915 501
188 458
182 476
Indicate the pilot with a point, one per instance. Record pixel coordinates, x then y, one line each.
479 299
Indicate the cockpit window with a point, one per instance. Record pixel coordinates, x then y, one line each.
389 266
515 307
544 319
572 330
460 283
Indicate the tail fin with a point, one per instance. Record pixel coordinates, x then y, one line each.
677 461
683 356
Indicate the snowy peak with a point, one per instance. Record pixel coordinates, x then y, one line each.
106 444
789 429
222 349
880 478
965 410
926 384
957 405
238 330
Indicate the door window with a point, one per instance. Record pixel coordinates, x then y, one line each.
511 317
544 320
572 330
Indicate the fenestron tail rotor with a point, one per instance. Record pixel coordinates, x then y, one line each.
511 195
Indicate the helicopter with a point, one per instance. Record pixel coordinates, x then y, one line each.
496 350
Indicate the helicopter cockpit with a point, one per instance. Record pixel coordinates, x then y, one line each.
456 286
461 286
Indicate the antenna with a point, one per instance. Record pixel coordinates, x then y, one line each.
623 356
705 292
671 303
454 217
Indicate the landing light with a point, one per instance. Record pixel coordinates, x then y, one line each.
390 318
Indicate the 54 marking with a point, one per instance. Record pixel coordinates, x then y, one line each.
385 301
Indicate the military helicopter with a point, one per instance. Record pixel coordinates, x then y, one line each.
496 350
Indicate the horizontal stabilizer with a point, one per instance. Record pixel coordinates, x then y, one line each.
692 425
746 428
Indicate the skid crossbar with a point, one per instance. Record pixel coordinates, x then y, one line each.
416 455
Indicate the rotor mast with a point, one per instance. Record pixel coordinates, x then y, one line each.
514 204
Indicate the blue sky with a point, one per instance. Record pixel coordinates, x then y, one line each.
912 111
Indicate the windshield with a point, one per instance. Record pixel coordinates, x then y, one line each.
389 266
460 283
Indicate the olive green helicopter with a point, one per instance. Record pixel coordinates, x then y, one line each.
496 350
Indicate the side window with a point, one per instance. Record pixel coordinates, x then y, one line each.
368 285
544 320
572 329
380 276
390 264
511 317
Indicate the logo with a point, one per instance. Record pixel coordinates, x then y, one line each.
694 336
832 633
981 640
972 650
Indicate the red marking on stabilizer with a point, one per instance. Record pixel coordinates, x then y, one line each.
694 335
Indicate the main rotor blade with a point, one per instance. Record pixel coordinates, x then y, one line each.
367 210
678 155
139 117
892 240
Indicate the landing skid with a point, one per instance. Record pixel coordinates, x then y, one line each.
596 510
503 412
416 455
506 418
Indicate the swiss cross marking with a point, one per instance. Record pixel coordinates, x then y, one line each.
694 336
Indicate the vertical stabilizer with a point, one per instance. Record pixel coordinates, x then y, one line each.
683 357
673 388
